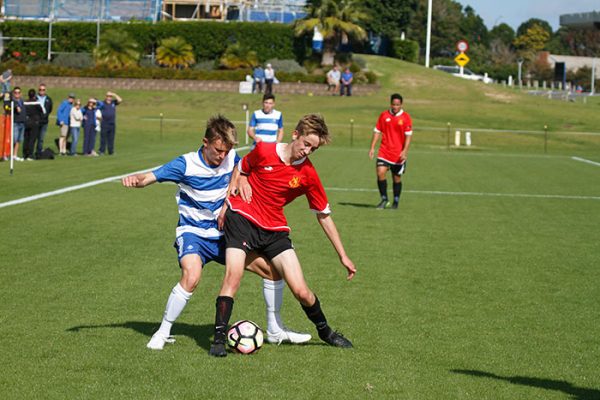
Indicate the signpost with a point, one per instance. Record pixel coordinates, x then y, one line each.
462 59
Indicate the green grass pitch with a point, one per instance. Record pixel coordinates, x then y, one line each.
483 285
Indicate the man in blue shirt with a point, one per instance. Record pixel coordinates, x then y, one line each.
347 77
258 75
63 115
203 178
108 126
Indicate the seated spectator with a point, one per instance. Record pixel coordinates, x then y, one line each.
333 79
346 86
258 75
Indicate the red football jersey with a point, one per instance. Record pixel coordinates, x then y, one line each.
275 184
393 129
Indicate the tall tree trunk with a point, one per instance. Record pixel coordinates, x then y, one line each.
328 57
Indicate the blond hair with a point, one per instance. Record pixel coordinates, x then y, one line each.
219 127
314 124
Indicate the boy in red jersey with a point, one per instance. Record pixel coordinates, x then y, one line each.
273 175
394 127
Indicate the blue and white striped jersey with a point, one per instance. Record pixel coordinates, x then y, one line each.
267 125
201 193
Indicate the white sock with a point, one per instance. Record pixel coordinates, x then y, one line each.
175 305
273 293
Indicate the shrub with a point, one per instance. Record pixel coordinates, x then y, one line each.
74 60
175 52
407 50
290 66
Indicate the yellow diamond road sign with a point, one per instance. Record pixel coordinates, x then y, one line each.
462 59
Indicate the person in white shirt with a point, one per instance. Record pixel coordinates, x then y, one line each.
333 79
75 118
269 79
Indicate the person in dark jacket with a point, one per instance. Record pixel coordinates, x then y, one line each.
46 103
20 119
35 112
90 118
108 107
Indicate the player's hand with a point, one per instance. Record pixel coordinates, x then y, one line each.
244 188
221 217
257 139
371 153
346 262
130 181
403 155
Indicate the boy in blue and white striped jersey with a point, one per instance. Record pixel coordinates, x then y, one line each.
203 178
266 125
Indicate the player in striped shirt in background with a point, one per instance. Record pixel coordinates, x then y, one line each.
203 178
266 125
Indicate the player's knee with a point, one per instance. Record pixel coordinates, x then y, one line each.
303 295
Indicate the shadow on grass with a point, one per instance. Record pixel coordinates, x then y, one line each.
359 205
200 333
577 393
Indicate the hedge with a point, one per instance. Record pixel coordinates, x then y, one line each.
209 39
407 50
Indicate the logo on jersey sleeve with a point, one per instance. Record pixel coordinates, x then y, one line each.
294 182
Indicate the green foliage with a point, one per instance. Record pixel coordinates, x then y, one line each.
407 50
525 26
503 32
117 50
175 52
389 18
289 66
74 60
473 28
238 56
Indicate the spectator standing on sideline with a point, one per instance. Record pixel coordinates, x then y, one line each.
108 109
266 125
269 79
75 118
35 113
5 79
333 79
258 75
90 120
346 86
46 103
20 119
394 127
63 115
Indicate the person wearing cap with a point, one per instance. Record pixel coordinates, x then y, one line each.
108 108
62 120
269 79
89 127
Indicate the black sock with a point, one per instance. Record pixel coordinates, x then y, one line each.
315 314
224 306
397 191
382 185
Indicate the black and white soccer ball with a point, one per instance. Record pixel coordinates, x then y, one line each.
245 337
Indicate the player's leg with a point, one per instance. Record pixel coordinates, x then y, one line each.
235 260
381 170
397 172
273 286
191 271
288 265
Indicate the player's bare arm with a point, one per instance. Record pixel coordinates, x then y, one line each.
332 234
404 153
279 135
376 137
139 180
252 134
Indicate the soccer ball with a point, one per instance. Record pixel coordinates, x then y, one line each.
245 337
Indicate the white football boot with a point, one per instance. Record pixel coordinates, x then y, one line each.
158 341
286 335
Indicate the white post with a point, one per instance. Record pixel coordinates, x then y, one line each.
428 45
510 80
247 123
98 23
50 19
468 138
462 70
457 138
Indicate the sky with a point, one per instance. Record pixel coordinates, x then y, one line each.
515 12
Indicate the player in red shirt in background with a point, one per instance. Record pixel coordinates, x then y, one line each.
271 176
394 127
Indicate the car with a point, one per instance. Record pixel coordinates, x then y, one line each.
467 73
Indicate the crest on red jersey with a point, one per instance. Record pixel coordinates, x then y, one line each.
294 182
400 122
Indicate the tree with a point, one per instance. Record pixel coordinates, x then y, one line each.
522 29
504 33
473 28
238 56
532 41
389 17
117 50
337 20
445 31
175 52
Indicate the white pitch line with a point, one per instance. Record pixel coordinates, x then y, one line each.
481 194
597 164
81 186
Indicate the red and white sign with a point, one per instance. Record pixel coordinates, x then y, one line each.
462 46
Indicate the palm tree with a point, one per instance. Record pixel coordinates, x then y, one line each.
175 52
337 20
117 50
238 56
